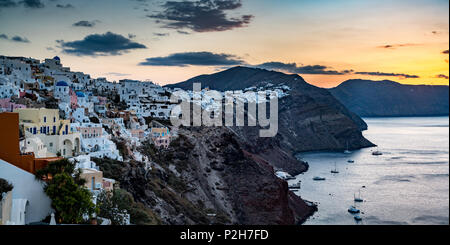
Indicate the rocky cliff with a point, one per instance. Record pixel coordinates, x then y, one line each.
310 118
208 177
386 98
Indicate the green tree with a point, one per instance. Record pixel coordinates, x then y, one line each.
64 186
5 187
114 206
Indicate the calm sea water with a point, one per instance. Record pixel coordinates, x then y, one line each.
409 184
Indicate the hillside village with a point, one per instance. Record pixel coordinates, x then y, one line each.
48 113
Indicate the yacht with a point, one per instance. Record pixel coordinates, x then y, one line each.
296 186
347 151
358 199
317 178
358 218
354 210
377 153
335 171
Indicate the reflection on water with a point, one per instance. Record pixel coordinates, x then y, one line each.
408 184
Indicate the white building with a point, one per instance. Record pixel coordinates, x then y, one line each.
27 202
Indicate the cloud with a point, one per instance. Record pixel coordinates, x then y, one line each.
201 15
67 6
85 23
394 46
384 74
17 39
183 32
194 59
161 34
445 51
309 69
442 76
100 44
7 4
117 74
35 4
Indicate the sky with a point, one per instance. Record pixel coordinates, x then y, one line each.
325 41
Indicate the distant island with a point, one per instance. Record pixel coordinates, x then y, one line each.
386 98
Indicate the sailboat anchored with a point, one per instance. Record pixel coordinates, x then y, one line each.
347 151
358 199
335 171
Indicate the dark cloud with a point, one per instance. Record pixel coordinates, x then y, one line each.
309 69
201 15
66 6
161 34
442 76
394 46
445 51
14 38
85 23
100 44
194 59
7 4
35 4
384 74
183 32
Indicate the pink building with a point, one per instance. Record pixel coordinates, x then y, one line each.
7 106
73 99
102 100
91 131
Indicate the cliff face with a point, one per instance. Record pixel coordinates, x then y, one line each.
310 118
209 171
386 98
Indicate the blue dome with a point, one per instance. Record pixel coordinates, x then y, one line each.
62 84
57 58
81 94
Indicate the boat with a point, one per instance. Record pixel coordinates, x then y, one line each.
351 161
335 171
284 176
317 178
358 218
377 153
354 210
295 186
347 151
358 199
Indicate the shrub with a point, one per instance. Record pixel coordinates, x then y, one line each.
5 187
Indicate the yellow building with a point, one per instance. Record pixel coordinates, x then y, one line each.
56 134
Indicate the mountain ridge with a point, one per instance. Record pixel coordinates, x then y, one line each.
385 98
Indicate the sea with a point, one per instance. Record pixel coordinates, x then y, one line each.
407 185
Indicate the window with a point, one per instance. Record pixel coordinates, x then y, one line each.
45 119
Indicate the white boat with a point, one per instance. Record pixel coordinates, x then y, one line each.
347 151
335 171
358 199
283 175
317 178
354 210
296 186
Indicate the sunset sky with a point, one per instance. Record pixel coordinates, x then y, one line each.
324 41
